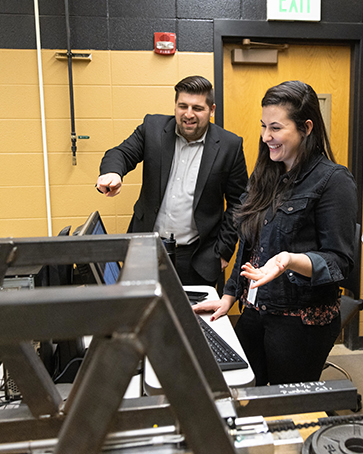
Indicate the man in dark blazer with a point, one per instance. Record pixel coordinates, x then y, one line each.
193 175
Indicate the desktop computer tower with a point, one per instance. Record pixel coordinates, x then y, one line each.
18 283
12 392
11 389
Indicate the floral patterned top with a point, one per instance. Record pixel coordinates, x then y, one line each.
315 315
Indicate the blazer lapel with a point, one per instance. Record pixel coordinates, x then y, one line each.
211 148
167 154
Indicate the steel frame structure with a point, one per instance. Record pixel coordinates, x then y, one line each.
145 313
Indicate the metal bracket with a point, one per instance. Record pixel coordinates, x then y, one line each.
74 55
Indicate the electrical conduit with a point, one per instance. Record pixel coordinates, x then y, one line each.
42 113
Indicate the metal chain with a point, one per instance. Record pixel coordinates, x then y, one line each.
282 425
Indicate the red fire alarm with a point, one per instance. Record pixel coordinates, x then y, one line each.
164 43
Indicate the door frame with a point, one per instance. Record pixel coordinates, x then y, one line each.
321 33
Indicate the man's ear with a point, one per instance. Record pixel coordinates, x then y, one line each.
212 110
309 126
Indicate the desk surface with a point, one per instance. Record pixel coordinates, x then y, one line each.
223 326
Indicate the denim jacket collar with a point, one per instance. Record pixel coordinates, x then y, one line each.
308 167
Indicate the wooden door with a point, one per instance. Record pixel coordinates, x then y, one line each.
325 68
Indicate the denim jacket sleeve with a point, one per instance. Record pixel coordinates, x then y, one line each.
335 216
233 284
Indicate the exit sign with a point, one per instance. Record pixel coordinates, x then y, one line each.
307 10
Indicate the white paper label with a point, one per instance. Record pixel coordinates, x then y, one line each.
251 297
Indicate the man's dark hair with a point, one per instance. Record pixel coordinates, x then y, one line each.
197 85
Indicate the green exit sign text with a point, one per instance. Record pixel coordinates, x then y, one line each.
307 10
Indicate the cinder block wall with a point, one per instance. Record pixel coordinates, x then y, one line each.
124 81
112 93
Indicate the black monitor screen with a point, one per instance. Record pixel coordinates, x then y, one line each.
96 273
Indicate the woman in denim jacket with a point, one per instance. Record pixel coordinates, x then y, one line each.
296 225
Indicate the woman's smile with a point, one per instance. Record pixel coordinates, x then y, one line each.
280 135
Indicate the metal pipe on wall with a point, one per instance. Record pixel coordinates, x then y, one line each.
70 77
42 114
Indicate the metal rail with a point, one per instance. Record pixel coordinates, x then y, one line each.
132 318
145 313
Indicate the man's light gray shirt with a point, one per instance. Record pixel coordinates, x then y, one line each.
176 211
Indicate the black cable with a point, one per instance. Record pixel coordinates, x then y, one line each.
66 368
70 77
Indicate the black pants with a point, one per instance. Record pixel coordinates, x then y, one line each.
281 349
183 265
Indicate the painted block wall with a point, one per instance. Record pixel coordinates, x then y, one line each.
112 93
108 27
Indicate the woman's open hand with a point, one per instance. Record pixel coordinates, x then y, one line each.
267 273
277 265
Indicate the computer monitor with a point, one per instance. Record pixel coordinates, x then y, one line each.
51 275
69 354
96 273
